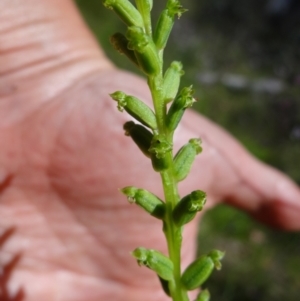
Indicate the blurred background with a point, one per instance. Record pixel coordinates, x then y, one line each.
243 57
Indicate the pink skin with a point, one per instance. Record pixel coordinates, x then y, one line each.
63 157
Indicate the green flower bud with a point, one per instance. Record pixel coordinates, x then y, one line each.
145 50
165 23
145 7
120 43
140 135
146 200
172 81
165 286
185 157
199 271
126 11
188 206
137 38
183 101
203 296
159 148
155 261
136 108
216 256
147 3
159 164
175 8
130 192
163 29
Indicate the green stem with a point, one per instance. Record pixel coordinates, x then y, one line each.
145 12
155 85
147 22
172 232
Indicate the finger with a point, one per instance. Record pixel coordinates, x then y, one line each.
269 196
262 191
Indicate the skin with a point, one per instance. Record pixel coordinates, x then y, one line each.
63 156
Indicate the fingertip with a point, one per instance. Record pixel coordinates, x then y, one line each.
280 215
288 192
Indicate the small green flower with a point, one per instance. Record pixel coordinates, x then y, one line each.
160 146
198 271
140 135
188 206
203 296
165 23
126 11
145 7
172 81
146 200
120 43
155 261
159 149
183 101
216 256
145 50
136 108
175 8
185 157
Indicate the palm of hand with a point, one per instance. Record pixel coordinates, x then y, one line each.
73 229
64 163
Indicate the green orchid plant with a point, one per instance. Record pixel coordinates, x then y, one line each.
153 134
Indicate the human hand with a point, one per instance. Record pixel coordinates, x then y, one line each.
63 158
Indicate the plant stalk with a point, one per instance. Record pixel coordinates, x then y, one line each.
172 232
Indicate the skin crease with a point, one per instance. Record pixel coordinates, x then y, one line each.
63 157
